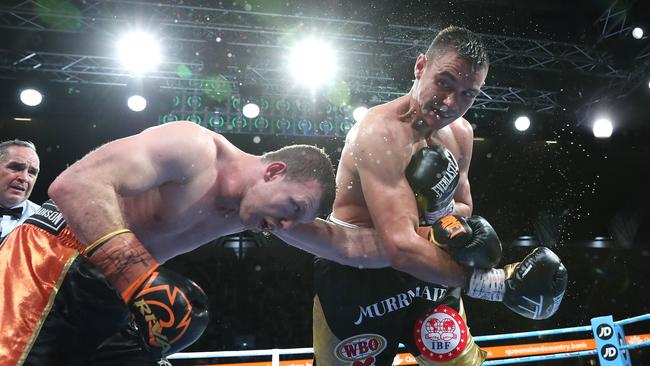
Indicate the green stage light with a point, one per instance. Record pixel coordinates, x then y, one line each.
194 118
304 124
238 123
194 101
264 104
345 126
263 121
217 88
283 124
326 126
170 118
216 122
282 105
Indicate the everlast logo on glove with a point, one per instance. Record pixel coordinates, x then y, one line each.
449 176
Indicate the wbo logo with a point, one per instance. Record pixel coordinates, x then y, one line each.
359 347
441 335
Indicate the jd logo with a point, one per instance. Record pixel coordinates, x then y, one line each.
604 331
609 352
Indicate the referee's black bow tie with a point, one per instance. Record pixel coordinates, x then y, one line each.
14 212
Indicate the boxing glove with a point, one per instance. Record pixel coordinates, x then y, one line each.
170 311
533 288
471 242
433 175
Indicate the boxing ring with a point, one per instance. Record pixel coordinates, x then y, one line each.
608 342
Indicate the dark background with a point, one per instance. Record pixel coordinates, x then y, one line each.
562 195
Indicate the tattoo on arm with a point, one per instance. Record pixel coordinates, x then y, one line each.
122 261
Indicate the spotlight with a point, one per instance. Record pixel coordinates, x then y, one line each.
251 110
522 123
359 113
602 128
31 97
637 33
312 62
139 52
137 103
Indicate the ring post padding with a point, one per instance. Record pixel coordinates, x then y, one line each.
609 337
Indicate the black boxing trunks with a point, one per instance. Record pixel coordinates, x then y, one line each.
360 317
57 308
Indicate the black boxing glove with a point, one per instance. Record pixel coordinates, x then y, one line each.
433 174
471 242
533 288
170 311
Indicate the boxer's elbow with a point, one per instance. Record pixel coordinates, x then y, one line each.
60 187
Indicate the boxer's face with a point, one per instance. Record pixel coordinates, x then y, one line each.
281 204
446 87
18 173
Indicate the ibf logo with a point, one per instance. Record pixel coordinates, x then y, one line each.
604 331
441 335
609 352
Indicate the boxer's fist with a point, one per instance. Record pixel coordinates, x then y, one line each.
171 311
535 287
532 288
471 242
433 175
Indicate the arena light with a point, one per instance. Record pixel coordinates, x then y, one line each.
602 128
137 103
31 97
359 113
637 33
312 62
522 123
139 52
251 110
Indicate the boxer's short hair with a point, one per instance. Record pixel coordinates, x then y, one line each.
306 163
464 42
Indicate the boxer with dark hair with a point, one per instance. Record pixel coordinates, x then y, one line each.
404 164
82 280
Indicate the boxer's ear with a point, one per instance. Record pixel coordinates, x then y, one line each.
275 170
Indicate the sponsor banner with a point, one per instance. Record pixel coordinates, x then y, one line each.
520 350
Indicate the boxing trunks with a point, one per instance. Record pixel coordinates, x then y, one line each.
57 308
361 315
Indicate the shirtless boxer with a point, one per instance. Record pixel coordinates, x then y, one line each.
82 266
398 149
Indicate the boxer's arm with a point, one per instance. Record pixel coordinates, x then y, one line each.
394 214
88 192
463 204
359 247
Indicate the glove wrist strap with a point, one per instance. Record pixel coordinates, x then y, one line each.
88 250
487 285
